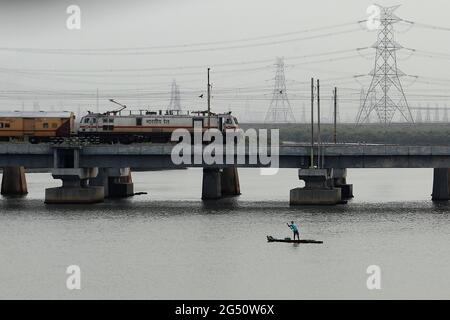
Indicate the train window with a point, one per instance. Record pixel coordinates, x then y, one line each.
139 121
54 125
6 125
105 119
86 120
45 125
228 121
1 125
94 120
111 120
235 120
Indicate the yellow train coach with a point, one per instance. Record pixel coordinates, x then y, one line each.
36 127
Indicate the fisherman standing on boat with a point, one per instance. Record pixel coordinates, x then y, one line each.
294 229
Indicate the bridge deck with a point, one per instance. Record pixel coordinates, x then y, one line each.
290 156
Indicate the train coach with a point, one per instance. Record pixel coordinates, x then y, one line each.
35 127
148 126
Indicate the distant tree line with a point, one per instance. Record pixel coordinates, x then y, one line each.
402 134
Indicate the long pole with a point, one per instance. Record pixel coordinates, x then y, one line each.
318 125
335 116
312 124
209 102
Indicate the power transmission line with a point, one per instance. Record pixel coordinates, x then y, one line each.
111 52
425 25
181 46
200 67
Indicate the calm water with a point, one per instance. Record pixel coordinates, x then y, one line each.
170 245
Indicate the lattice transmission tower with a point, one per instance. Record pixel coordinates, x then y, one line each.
385 84
175 101
368 99
280 110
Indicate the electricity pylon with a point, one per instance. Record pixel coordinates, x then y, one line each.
175 104
385 82
366 103
280 110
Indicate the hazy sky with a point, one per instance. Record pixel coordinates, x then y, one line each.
42 60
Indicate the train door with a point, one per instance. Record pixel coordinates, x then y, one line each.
28 126
94 123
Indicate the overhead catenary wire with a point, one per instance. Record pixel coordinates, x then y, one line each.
425 25
69 77
141 70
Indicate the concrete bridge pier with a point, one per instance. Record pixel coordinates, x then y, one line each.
75 187
340 181
218 183
230 182
117 182
441 184
318 190
211 184
14 181
75 180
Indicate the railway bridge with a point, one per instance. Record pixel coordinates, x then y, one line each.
92 172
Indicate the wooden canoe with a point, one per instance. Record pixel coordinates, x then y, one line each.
289 240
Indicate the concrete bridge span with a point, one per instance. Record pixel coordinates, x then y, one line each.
159 156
